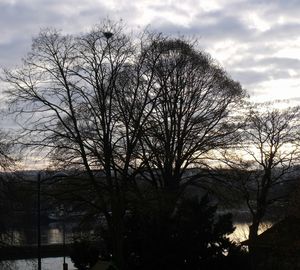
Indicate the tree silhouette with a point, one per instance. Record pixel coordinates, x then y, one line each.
265 159
133 109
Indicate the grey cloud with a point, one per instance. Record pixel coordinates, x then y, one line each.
217 26
281 32
287 8
249 77
212 26
167 7
281 62
11 53
23 20
269 62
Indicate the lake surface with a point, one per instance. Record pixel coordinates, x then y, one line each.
51 234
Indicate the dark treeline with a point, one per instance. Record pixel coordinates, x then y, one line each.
144 118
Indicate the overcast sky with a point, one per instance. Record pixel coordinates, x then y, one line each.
256 41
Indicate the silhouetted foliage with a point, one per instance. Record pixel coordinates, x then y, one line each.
192 238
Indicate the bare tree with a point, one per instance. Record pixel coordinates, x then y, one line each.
194 115
85 99
104 101
265 159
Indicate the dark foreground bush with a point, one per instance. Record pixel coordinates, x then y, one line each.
84 255
191 238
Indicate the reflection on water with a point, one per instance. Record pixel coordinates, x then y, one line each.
242 231
52 234
47 264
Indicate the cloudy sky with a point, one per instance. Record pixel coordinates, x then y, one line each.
257 41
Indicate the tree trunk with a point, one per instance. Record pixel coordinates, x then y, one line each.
253 233
118 229
118 247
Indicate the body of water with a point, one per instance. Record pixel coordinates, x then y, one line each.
53 234
47 264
